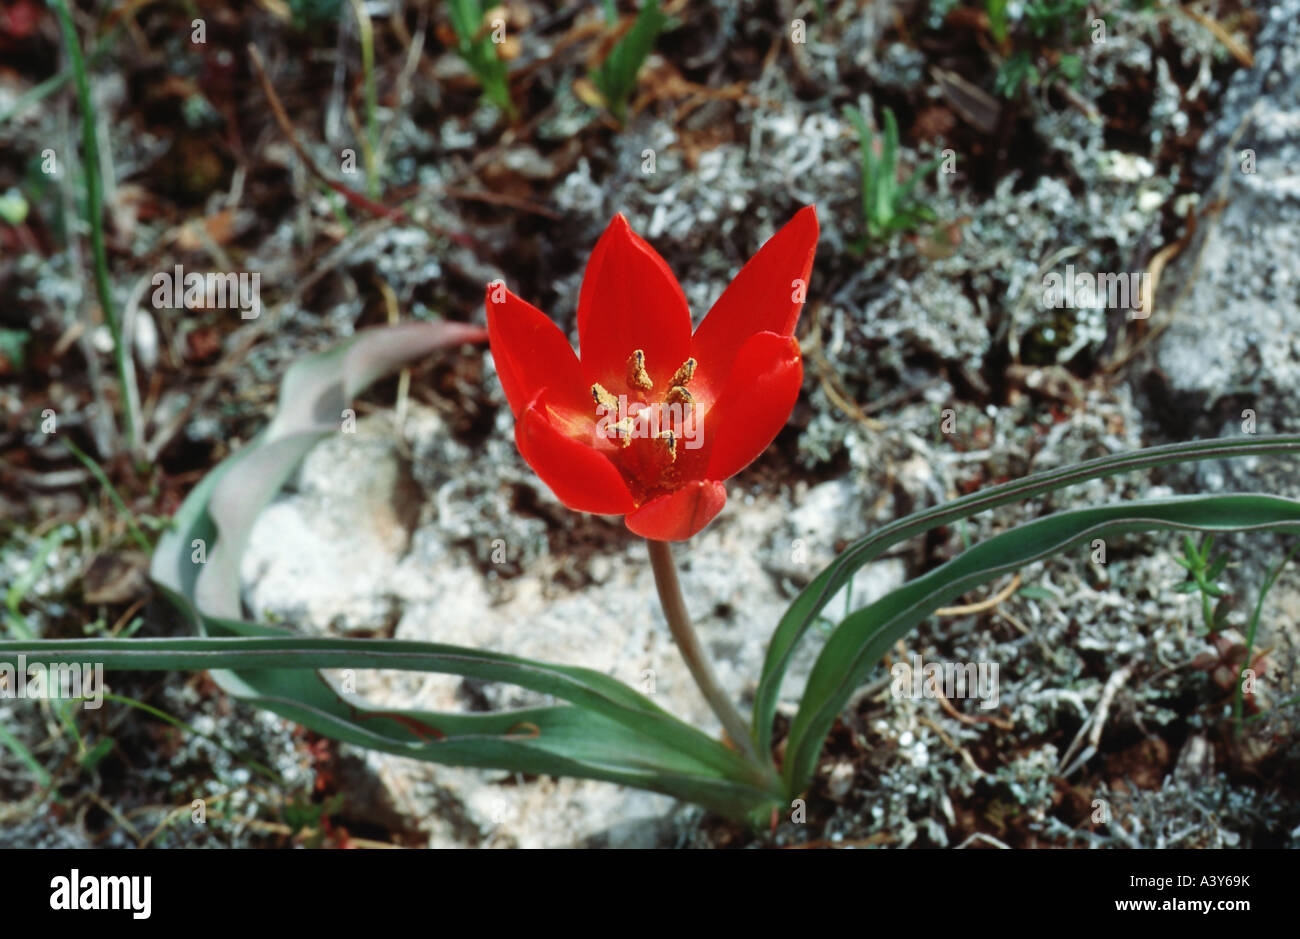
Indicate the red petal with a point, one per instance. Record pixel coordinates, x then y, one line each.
754 404
582 478
679 514
531 353
761 298
630 300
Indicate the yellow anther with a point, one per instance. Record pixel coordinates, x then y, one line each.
625 429
669 443
678 394
637 376
684 373
603 397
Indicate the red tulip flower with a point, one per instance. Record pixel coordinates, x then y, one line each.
649 420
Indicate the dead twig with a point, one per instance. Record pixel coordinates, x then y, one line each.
953 745
1239 52
287 128
983 605
1095 722
1001 723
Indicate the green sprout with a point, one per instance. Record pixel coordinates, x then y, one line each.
616 77
1063 23
887 206
1039 31
1016 71
1252 630
476 46
1203 573
999 20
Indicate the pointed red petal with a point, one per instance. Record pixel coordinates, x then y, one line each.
581 478
630 300
679 514
766 296
531 353
754 404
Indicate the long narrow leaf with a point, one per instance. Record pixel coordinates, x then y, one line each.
562 740
805 609
857 644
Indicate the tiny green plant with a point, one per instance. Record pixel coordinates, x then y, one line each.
1039 41
1027 31
1203 573
999 20
94 206
887 206
476 46
616 77
1017 71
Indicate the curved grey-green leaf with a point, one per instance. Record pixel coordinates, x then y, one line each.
861 639
629 739
806 607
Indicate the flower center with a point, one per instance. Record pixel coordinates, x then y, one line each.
650 429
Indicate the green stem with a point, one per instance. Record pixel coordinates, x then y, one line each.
179 724
95 216
1239 701
97 471
370 143
697 660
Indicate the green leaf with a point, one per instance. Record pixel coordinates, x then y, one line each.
885 203
998 23
616 76
19 750
1217 567
868 169
615 734
476 48
92 757
1015 72
14 619
1070 67
1035 592
857 645
806 607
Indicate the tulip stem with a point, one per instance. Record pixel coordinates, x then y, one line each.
697 660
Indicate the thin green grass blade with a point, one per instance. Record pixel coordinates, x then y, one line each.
24 755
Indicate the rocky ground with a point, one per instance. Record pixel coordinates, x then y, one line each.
426 524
